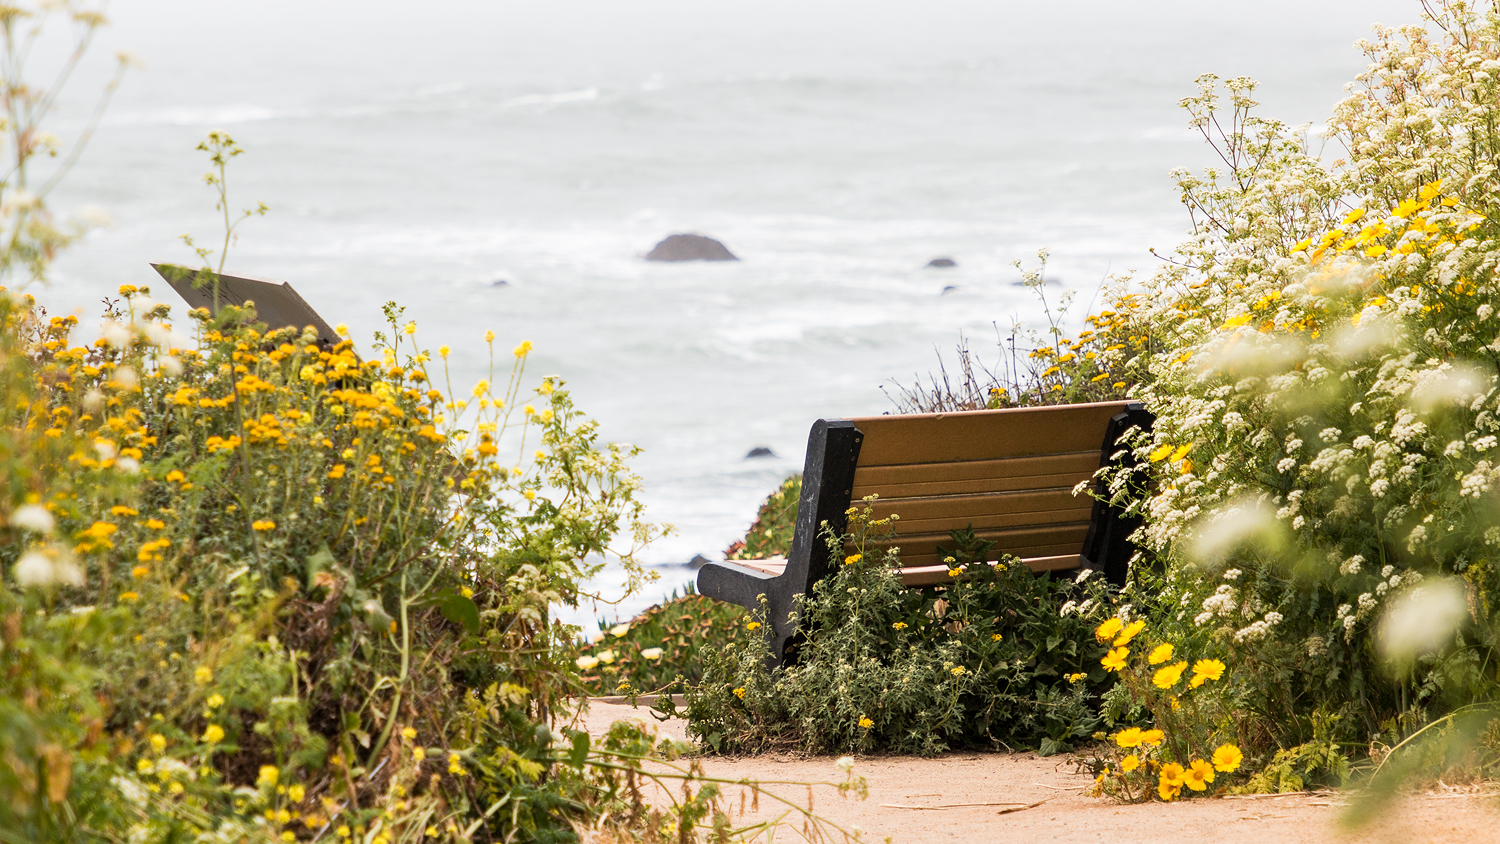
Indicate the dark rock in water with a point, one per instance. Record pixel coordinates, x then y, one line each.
499 282
760 451
690 247
699 561
942 263
952 288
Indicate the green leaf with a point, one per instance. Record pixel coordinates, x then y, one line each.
460 610
580 751
319 561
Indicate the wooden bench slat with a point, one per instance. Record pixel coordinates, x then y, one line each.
956 508
902 492
994 521
769 565
952 437
1023 542
938 574
1005 468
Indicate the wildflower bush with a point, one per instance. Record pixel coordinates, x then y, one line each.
1320 490
1000 657
1192 744
255 587
1323 469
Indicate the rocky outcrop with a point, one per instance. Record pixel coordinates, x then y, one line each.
760 451
942 263
690 247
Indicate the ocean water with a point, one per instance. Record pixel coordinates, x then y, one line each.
421 153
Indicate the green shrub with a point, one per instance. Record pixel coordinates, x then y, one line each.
770 535
665 643
1001 657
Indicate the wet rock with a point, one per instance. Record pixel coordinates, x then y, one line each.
699 561
690 247
942 263
760 451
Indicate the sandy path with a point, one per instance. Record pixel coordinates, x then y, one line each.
1068 816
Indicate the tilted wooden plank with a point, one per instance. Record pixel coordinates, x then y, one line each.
983 434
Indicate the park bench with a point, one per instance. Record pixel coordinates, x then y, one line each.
1010 474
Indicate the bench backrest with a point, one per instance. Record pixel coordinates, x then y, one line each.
1009 473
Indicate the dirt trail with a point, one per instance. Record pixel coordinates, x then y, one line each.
899 783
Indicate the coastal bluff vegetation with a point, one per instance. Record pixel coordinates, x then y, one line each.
255 587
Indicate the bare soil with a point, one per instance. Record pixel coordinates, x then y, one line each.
979 797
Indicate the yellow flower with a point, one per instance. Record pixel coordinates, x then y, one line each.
1169 781
900 625
203 675
739 693
1166 678
336 472
130 597
652 653
1198 775
408 733
1115 659
587 663
1227 758
263 524
619 630
520 351
1205 670
1161 653
1074 678
155 524
853 558
158 742
269 775
343 831
1152 737
214 734
959 671
1109 629
753 626
418 753
122 510
175 477
1129 633
866 723
215 701
296 792
410 328
1129 737
1130 763
996 637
